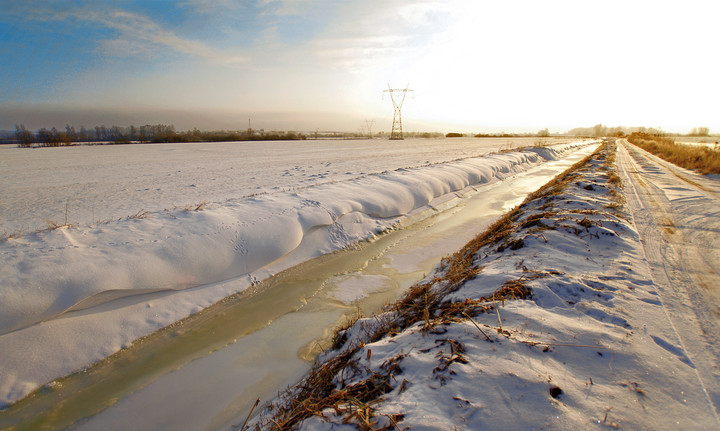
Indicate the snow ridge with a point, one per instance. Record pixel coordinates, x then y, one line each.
51 272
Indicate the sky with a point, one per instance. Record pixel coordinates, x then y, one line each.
473 65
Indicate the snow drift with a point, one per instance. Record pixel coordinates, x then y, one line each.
51 272
116 282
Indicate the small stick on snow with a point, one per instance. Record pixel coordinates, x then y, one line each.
393 422
249 414
606 413
477 326
498 315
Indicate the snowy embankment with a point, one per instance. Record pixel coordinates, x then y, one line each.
550 320
72 296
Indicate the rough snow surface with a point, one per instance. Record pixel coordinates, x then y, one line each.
79 294
602 343
677 213
90 185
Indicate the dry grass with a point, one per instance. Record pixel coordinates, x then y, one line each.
614 178
142 214
701 159
196 207
355 402
11 235
52 225
319 393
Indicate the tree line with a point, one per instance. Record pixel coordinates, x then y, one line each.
156 133
599 130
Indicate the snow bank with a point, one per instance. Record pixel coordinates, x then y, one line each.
84 185
51 272
205 254
591 348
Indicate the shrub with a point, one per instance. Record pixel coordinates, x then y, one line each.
701 159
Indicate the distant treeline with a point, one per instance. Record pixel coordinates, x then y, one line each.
157 133
160 133
601 130
544 133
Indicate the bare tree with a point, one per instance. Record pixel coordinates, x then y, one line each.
70 135
84 135
24 137
599 130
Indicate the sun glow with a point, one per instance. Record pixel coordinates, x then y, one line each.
473 64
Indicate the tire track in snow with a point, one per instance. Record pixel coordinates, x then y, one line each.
657 197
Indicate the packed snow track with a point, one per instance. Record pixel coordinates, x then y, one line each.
677 213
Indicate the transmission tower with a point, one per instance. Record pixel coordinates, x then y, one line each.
368 125
398 97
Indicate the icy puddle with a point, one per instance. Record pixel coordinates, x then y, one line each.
207 372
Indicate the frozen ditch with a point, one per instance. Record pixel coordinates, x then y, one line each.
301 305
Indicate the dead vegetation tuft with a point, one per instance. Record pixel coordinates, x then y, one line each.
5 236
442 372
196 207
319 394
325 392
142 214
701 159
52 225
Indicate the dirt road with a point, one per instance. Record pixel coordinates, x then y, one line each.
677 214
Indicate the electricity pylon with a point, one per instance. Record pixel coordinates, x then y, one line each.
368 125
398 97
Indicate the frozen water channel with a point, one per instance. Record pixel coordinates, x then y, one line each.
207 372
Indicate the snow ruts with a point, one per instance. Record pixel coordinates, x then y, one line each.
677 214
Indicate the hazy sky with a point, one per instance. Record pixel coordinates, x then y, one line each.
475 65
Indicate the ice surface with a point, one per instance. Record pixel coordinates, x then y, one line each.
353 287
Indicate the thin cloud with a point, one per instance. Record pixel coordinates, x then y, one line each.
357 53
382 32
212 7
136 34
140 32
284 7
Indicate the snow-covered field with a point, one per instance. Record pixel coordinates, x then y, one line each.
73 295
98 184
621 329
608 320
